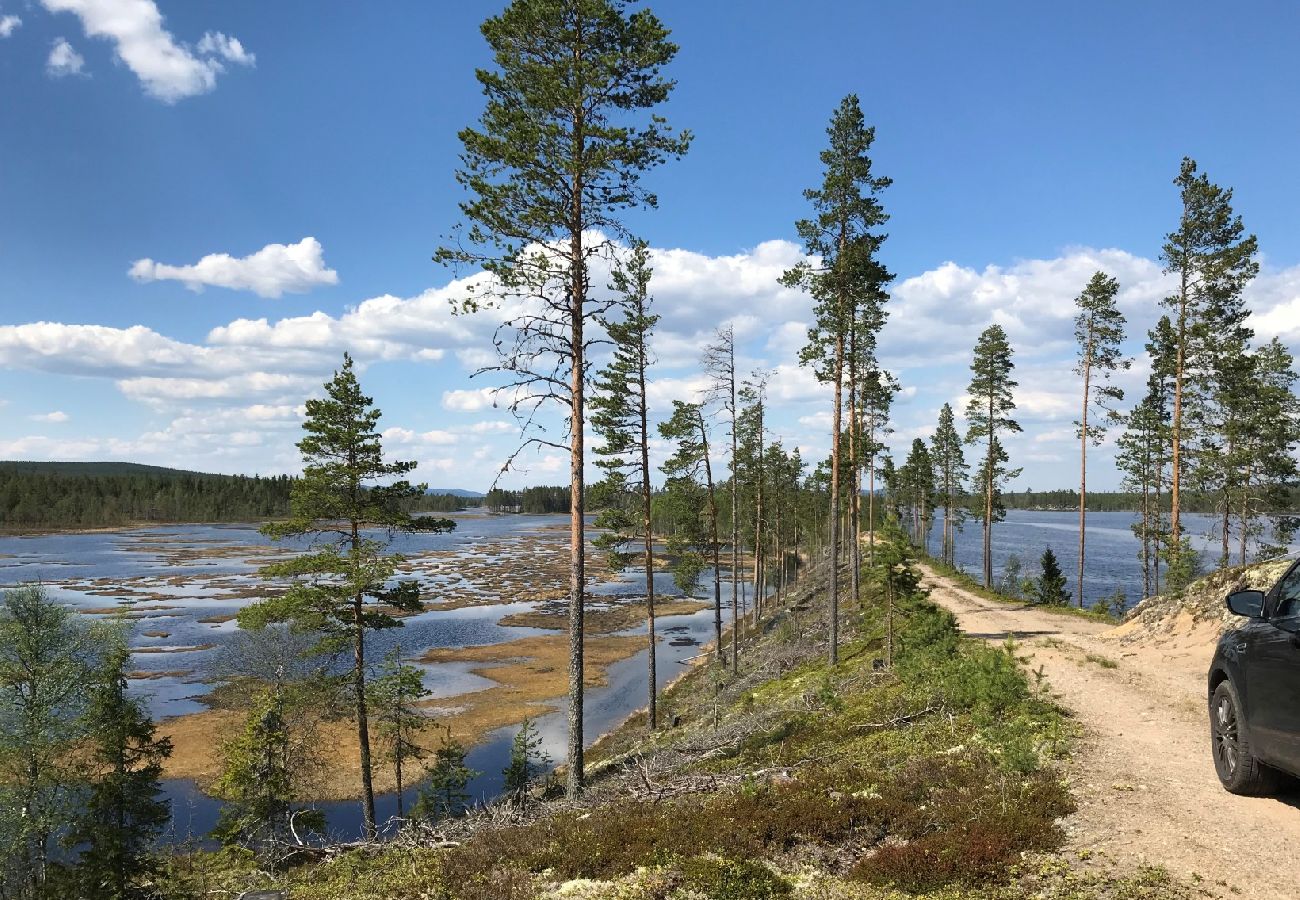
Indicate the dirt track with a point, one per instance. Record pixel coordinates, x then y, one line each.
1144 778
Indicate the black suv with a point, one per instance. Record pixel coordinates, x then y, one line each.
1255 690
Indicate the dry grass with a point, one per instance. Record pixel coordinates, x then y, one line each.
621 614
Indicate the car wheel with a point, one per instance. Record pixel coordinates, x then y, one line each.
1240 771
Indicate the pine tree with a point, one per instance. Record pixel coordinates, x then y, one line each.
347 497
1141 460
1099 331
1266 444
719 364
123 815
1049 587
848 286
689 463
752 471
916 482
444 794
988 415
394 695
1213 259
620 415
950 464
557 158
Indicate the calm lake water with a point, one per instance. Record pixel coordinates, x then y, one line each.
1111 554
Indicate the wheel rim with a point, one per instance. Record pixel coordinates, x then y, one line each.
1226 736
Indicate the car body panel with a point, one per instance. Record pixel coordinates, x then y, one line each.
1262 659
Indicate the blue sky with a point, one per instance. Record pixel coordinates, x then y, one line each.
1029 144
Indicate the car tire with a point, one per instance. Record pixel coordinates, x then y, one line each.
1236 764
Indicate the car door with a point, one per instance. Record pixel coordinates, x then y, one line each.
1272 668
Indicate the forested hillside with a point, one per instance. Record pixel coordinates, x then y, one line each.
90 495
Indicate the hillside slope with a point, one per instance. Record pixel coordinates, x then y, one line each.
937 776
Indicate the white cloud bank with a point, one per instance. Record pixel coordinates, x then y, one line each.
56 417
274 270
8 25
210 388
63 60
168 70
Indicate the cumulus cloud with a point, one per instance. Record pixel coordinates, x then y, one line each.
469 400
168 70
9 24
274 270
56 417
63 60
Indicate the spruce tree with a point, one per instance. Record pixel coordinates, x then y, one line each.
444 794
1213 259
1141 459
349 501
527 761
123 814
1049 587
394 695
1099 331
1266 445
621 416
848 285
557 158
988 415
951 467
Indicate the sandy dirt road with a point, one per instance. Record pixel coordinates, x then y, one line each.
1143 776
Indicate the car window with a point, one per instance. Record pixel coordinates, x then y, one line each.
1288 596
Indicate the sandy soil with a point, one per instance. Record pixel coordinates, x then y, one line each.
1143 776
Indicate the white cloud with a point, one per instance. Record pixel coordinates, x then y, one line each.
168 70
270 272
8 24
214 43
469 401
64 60
56 417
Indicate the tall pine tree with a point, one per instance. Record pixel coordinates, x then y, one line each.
1099 331
844 234
565 137
349 501
951 468
988 415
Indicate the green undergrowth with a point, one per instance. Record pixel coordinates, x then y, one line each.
966 582
934 777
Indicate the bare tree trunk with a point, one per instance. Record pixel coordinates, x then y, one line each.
359 696
735 513
855 484
835 504
760 583
652 691
1083 466
713 539
577 522
1146 539
988 505
1176 427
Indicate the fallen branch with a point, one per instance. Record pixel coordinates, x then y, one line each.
897 720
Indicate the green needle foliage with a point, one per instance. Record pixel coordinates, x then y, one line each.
349 501
123 814
691 494
527 761
1099 331
1213 259
557 159
1049 587
988 414
444 794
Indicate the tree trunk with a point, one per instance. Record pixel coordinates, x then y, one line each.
735 515
988 505
1083 466
652 691
577 522
1176 426
760 580
855 485
363 723
713 539
835 504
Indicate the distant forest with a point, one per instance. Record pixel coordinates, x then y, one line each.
1118 501
542 499
92 495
